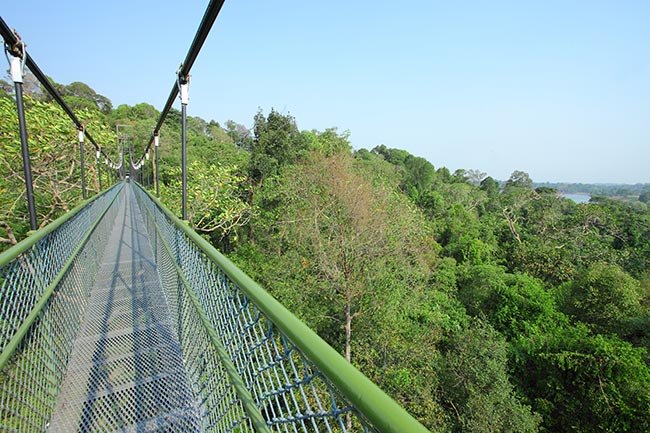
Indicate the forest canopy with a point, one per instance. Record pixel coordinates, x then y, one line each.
479 305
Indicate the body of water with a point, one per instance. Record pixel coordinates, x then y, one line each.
578 197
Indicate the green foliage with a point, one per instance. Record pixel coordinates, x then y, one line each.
54 155
342 228
476 390
140 111
519 179
469 303
394 156
239 134
445 276
506 254
417 174
599 189
352 259
418 177
328 142
79 95
277 142
461 299
490 186
644 197
515 304
215 198
603 296
581 382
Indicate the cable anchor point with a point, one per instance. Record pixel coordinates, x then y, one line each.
18 52
183 83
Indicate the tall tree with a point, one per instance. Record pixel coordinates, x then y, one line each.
476 176
490 186
80 95
350 233
519 179
644 197
277 142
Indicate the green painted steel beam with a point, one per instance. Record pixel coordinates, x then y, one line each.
40 305
381 410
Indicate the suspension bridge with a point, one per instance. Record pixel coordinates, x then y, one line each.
117 316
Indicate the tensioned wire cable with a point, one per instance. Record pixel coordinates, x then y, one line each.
208 20
12 40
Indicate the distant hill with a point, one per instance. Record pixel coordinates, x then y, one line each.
602 189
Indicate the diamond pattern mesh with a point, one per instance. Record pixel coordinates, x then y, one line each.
30 382
126 342
289 391
126 369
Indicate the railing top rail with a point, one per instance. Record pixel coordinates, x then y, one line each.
36 236
379 408
16 339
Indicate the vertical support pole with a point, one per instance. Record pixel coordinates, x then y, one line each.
184 161
132 174
80 133
155 235
99 168
17 65
146 165
156 142
184 93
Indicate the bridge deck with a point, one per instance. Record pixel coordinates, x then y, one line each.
126 370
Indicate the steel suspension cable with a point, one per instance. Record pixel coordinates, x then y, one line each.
11 40
208 20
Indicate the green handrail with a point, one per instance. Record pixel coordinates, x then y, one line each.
381 410
23 246
34 237
245 396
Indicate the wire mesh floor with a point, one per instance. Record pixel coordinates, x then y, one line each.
126 368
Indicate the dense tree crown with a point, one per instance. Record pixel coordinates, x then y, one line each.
479 306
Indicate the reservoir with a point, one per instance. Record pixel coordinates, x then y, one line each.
577 197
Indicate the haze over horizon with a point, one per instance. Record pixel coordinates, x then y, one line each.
558 90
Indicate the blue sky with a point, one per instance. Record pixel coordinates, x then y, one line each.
560 89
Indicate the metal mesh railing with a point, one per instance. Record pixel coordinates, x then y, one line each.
43 291
288 391
243 362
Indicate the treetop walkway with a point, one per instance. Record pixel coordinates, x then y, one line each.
117 316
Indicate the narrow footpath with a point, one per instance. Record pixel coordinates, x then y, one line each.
126 371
